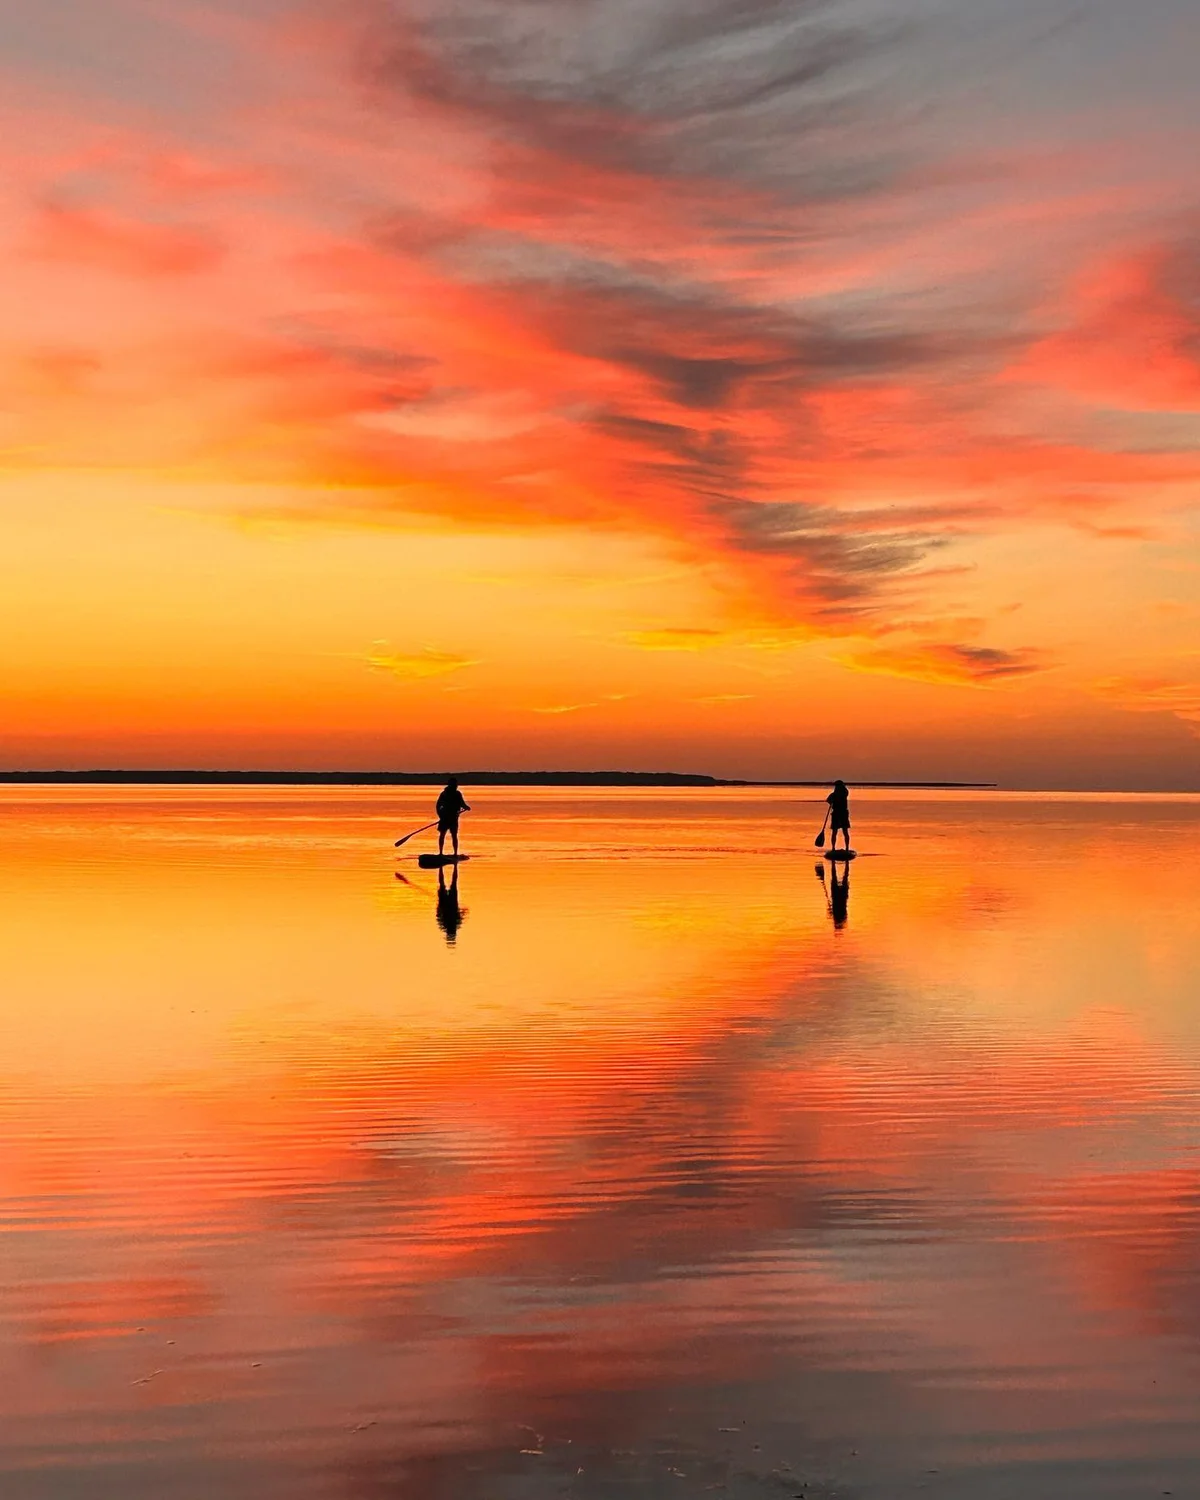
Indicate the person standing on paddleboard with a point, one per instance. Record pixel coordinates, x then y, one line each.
839 814
450 805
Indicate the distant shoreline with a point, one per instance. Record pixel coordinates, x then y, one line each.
438 778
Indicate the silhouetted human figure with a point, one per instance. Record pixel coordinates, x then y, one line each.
839 814
450 805
450 915
837 894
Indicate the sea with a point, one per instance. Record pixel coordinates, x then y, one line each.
646 1155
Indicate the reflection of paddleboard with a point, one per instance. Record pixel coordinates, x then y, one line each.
436 861
841 854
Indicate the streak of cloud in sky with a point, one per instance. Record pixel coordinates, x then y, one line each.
598 345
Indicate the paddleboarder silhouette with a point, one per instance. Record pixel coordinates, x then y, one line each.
450 915
839 814
450 804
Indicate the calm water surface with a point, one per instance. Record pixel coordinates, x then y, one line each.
681 1170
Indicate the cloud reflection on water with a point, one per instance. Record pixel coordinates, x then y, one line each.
659 1150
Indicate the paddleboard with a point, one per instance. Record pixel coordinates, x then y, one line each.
841 854
436 861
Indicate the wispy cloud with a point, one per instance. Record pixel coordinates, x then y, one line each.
1129 334
417 666
941 662
554 709
755 634
729 276
1175 693
99 237
677 638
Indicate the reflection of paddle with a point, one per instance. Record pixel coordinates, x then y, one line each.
414 833
820 838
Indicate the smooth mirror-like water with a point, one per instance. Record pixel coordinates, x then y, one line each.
647 1160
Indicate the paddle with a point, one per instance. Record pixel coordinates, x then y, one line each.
819 841
415 831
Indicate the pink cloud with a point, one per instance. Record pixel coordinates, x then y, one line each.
99 237
460 268
1130 336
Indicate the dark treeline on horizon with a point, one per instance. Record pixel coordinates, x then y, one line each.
432 778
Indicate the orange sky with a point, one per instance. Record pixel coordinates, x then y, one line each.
746 388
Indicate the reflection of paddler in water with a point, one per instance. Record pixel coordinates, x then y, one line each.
837 893
450 915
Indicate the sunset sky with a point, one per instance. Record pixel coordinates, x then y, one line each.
760 387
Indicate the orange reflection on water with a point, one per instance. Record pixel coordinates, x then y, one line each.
301 1199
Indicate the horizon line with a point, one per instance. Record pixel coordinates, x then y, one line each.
193 776
183 776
